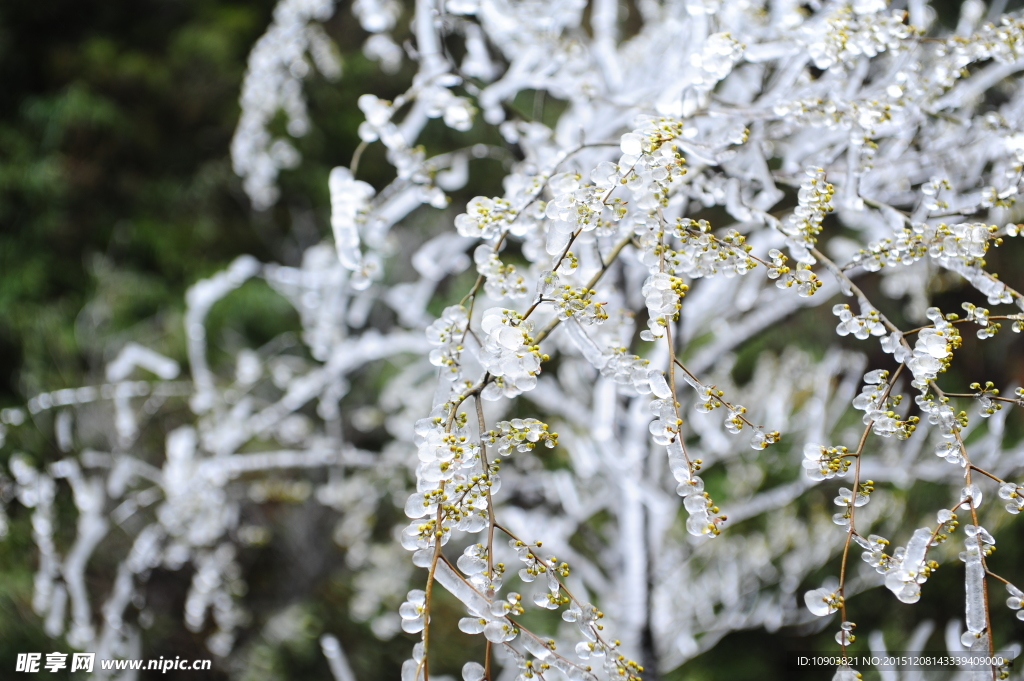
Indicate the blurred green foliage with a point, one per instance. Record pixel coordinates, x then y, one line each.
114 123
116 194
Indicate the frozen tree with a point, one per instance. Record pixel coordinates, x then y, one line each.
714 172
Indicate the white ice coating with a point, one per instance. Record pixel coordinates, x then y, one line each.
349 197
905 579
659 386
470 597
336 659
273 83
974 582
135 355
584 344
916 549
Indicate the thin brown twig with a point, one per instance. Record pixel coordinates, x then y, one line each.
974 519
490 520
853 504
987 474
725 403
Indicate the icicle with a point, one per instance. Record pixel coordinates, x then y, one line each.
974 581
583 343
917 547
659 386
459 588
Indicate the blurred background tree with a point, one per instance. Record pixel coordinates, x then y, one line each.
116 194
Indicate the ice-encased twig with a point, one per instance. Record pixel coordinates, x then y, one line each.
974 583
336 659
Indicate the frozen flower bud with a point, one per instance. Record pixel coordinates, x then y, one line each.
845 636
473 560
446 335
1014 496
472 671
971 496
547 283
876 376
1016 600
412 612
632 144
501 280
822 601
349 203
472 625
545 599
499 631
846 498
485 218
846 673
